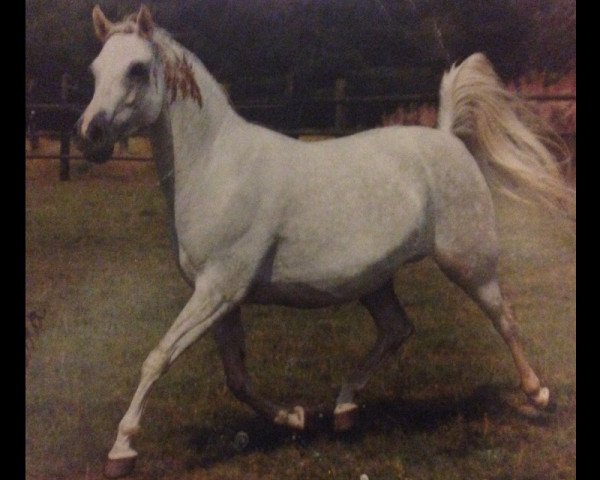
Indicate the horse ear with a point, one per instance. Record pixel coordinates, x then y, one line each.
101 24
144 22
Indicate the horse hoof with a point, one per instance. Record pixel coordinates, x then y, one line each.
529 411
344 417
119 467
539 406
293 419
552 406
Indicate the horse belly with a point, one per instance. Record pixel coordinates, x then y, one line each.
334 276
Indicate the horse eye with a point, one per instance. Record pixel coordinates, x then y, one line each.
138 71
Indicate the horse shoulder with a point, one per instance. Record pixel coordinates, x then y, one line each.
230 218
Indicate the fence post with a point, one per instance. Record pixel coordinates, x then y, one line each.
32 135
65 132
341 110
289 84
31 128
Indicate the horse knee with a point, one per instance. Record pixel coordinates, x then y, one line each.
155 364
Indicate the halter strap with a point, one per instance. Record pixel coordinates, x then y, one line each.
166 176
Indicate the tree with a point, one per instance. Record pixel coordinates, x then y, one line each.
316 39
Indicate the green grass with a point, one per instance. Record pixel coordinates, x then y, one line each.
100 270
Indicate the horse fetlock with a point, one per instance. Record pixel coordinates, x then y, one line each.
128 430
530 383
344 407
294 419
345 416
122 448
540 405
541 399
118 454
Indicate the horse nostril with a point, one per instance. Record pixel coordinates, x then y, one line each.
96 133
97 130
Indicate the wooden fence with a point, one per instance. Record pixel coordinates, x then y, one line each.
333 116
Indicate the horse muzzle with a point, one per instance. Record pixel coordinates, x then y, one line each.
97 142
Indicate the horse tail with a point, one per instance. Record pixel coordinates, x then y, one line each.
517 152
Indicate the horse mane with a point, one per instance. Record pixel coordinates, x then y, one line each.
179 78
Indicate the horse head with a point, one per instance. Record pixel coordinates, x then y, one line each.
129 84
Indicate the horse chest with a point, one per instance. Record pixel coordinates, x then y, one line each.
209 216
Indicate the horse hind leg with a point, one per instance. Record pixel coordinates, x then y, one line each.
475 273
393 328
230 338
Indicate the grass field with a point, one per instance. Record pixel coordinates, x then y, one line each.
102 281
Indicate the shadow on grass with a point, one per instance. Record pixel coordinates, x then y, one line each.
214 446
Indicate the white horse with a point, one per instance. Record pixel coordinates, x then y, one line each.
259 217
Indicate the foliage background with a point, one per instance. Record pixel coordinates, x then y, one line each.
315 39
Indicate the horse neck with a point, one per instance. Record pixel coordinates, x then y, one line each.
195 105
186 128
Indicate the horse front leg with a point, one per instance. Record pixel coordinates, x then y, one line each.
203 309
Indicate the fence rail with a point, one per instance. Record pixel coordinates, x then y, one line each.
133 158
337 111
283 102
